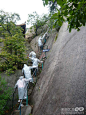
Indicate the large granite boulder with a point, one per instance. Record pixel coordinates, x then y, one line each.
62 82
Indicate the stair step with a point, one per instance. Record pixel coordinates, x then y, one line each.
26 110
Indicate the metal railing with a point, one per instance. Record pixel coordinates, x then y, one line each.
9 103
27 87
34 73
15 92
19 108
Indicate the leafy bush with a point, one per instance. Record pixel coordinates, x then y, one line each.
72 11
13 52
4 94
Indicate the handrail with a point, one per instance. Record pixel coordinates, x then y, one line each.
9 99
7 102
27 85
13 98
13 95
34 72
19 108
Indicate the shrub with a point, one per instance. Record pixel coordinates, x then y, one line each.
4 94
13 53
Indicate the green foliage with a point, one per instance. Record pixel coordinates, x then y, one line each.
12 55
52 4
4 94
8 17
74 12
37 21
53 22
56 37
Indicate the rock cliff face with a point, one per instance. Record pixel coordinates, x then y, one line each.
62 82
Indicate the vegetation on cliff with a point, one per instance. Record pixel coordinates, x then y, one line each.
12 54
74 12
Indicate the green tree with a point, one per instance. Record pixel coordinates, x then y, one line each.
52 23
74 12
4 94
37 21
52 5
12 55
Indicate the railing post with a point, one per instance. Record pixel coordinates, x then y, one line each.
27 96
12 101
45 54
44 40
20 108
27 99
35 72
42 65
